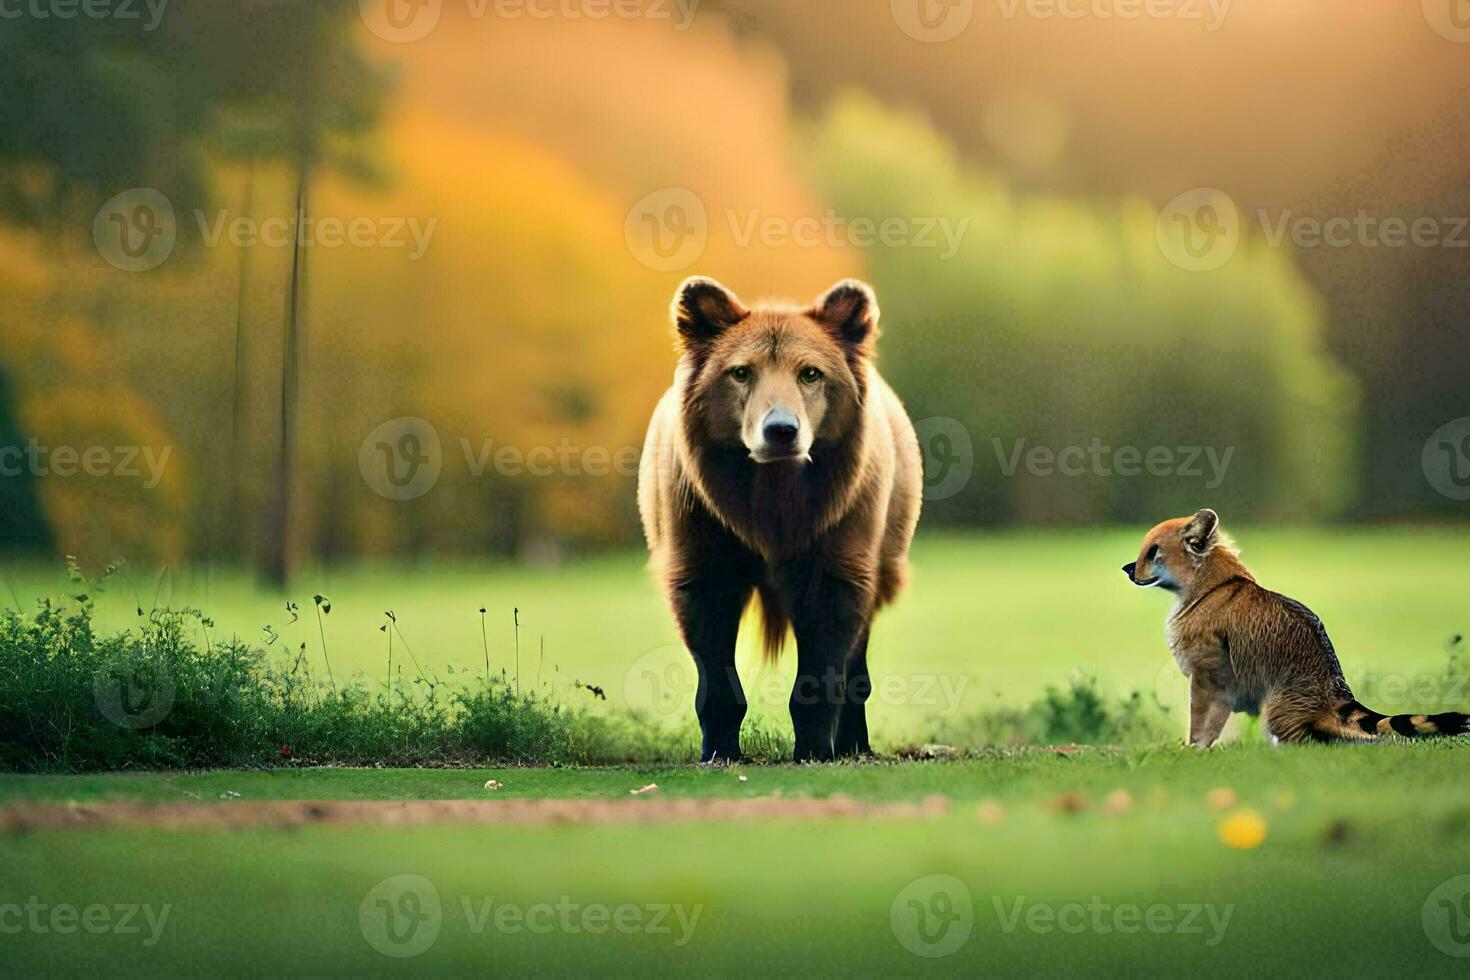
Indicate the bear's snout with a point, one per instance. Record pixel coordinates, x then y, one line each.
780 429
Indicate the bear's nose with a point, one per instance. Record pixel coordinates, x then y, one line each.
1128 568
780 427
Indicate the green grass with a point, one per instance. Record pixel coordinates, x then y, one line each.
991 620
1358 839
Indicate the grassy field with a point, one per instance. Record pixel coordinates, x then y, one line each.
991 620
1102 862
1148 859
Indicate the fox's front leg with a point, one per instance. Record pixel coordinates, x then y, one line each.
1209 710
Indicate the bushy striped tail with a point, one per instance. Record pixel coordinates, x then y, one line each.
1354 721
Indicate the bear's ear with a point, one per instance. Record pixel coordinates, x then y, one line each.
850 311
703 309
1202 532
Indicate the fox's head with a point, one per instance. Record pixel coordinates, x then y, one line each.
775 379
1184 554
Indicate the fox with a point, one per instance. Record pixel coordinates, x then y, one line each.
1246 648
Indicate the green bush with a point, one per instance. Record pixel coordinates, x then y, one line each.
157 697
1077 714
1060 321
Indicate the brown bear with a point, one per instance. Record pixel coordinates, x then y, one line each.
780 465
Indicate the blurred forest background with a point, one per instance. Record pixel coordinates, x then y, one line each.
532 318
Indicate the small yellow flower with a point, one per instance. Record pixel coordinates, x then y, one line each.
1242 829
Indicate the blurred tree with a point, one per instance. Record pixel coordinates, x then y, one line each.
1059 323
22 525
96 106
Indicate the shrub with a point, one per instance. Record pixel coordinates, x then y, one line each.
1058 320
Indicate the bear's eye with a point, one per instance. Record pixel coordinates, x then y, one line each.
810 375
740 375
1153 553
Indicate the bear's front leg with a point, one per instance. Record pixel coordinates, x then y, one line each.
829 615
708 611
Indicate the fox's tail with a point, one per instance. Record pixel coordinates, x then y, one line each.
1350 720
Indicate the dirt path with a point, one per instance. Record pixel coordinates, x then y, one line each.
239 815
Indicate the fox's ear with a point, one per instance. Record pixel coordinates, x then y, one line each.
850 311
704 309
1202 532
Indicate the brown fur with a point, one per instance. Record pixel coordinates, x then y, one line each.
1245 648
819 532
